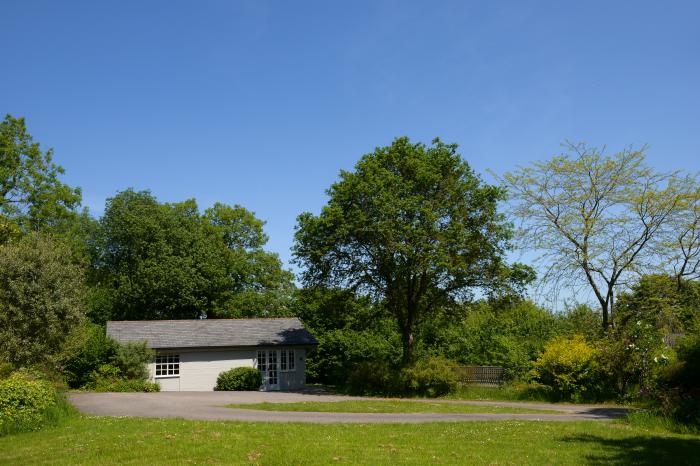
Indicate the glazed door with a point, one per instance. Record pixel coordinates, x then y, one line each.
268 365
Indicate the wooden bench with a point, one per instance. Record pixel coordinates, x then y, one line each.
481 375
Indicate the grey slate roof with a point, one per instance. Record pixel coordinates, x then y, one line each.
211 333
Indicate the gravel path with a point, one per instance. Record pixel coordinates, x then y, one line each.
210 405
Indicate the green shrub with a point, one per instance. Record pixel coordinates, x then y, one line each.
85 351
132 358
429 377
568 366
105 372
24 402
89 351
679 384
239 379
108 378
340 350
374 378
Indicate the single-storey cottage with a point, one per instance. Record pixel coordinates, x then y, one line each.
190 354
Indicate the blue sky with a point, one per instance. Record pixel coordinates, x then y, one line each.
262 103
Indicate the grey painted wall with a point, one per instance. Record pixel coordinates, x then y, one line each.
200 368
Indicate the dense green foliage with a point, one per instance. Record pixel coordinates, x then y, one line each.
131 359
349 329
374 378
680 384
92 360
32 197
238 379
41 299
429 377
412 226
24 402
508 333
169 261
87 348
110 378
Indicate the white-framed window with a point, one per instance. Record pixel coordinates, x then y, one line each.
287 360
262 360
167 365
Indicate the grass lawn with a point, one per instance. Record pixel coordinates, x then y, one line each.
104 440
385 407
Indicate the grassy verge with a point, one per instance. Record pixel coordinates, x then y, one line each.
517 391
102 440
653 422
59 414
384 407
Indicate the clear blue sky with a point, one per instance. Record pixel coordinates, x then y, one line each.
262 103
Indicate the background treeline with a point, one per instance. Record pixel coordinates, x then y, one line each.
403 274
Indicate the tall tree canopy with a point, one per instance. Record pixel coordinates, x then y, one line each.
31 195
594 216
412 226
159 261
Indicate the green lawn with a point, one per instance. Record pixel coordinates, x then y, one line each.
103 440
385 407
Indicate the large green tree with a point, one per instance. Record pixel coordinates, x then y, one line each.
32 197
413 227
257 285
160 261
41 299
594 217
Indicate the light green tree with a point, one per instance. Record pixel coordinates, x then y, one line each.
593 217
679 243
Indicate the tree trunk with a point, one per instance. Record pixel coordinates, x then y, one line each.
604 308
407 332
407 337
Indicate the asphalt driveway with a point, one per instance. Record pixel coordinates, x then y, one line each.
210 405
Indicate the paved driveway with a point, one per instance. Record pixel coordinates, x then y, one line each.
210 405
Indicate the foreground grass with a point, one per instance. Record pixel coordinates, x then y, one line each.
385 407
103 440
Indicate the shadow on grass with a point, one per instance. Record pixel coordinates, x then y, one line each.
640 450
607 413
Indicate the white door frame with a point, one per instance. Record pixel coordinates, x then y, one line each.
268 363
